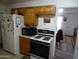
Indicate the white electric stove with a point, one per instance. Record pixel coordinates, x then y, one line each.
42 44
44 36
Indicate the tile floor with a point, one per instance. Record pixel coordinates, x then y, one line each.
65 52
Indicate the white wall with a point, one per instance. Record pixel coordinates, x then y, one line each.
72 21
3 10
47 26
58 3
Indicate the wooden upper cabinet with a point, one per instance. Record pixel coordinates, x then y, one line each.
39 10
46 10
28 10
30 13
29 16
28 19
50 10
20 11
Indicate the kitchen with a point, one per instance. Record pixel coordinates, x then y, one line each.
29 32
33 18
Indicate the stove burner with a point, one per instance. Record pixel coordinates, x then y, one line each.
38 36
47 38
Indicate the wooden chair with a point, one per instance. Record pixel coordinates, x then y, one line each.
59 37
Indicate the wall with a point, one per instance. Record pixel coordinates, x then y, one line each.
72 21
3 10
58 3
47 26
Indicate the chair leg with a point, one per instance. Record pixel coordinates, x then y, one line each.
60 44
57 44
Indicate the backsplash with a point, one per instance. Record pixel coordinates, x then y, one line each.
47 26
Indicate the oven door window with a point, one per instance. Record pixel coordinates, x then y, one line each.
40 49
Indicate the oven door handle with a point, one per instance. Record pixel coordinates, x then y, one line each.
39 42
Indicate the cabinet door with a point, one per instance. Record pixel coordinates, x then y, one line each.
24 46
20 11
28 19
49 10
29 16
39 10
35 20
45 10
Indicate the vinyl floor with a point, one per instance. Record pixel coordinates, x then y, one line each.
64 52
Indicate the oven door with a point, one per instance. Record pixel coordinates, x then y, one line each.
40 49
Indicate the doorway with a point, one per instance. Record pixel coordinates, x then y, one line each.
68 22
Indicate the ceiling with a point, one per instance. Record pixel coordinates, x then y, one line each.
12 1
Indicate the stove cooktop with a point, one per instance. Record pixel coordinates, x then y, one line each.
38 36
47 38
44 37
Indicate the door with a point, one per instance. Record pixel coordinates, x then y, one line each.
67 26
75 56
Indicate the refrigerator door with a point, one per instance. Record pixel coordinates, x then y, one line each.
11 30
10 34
17 25
4 29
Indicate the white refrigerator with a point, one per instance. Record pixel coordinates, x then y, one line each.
11 30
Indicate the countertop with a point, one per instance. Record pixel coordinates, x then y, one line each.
26 36
41 39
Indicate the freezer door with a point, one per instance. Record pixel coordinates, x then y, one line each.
4 29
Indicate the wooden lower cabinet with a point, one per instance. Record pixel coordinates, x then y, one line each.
24 45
